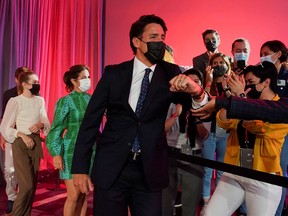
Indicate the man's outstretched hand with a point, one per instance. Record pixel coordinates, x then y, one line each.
205 111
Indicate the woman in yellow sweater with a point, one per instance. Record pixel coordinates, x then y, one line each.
253 144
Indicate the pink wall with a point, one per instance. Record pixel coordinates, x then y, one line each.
256 20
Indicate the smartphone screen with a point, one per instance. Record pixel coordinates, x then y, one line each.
241 64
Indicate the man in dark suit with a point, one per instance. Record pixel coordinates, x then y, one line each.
130 167
211 41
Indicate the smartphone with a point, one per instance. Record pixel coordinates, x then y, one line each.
241 64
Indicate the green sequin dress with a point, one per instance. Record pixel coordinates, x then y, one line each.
69 112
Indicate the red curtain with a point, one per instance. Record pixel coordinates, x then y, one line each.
49 36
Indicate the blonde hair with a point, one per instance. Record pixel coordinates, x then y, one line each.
168 56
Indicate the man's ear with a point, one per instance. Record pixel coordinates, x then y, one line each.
267 82
219 39
278 54
136 42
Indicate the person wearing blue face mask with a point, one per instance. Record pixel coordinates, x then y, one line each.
276 52
240 52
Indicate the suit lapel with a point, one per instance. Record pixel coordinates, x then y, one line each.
126 80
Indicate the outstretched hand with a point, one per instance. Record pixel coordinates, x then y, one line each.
205 111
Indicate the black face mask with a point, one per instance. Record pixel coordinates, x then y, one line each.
211 46
155 51
253 93
35 89
219 70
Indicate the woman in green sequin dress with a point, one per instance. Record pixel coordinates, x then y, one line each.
69 112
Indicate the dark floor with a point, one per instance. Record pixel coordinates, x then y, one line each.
50 197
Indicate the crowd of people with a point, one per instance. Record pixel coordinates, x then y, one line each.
221 109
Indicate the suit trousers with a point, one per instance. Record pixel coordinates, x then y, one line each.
261 198
190 178
26 162
9 172
129 191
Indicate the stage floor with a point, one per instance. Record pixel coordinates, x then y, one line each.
50 197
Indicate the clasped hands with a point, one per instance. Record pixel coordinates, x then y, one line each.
183 83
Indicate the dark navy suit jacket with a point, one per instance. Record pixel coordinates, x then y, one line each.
111 96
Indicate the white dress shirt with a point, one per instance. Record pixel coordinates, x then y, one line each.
23 112
137 77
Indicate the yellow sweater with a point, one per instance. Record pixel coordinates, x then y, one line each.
267 147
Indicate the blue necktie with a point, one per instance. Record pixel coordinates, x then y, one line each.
140 102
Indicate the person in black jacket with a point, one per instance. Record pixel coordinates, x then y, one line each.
130 167
211 40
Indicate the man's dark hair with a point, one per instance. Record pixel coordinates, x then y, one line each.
137 27
209 31
275 46
196 72
243 40
266 70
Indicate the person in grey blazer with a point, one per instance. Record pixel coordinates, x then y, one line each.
211 41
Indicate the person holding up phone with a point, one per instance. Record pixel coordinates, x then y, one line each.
261 139
240 51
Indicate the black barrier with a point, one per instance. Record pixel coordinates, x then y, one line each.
246 172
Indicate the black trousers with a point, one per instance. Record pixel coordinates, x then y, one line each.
129 191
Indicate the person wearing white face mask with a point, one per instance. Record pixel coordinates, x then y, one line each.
241 52
276 52
61 139
85 84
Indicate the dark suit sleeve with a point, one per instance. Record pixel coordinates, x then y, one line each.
250 109
195 63
89 129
